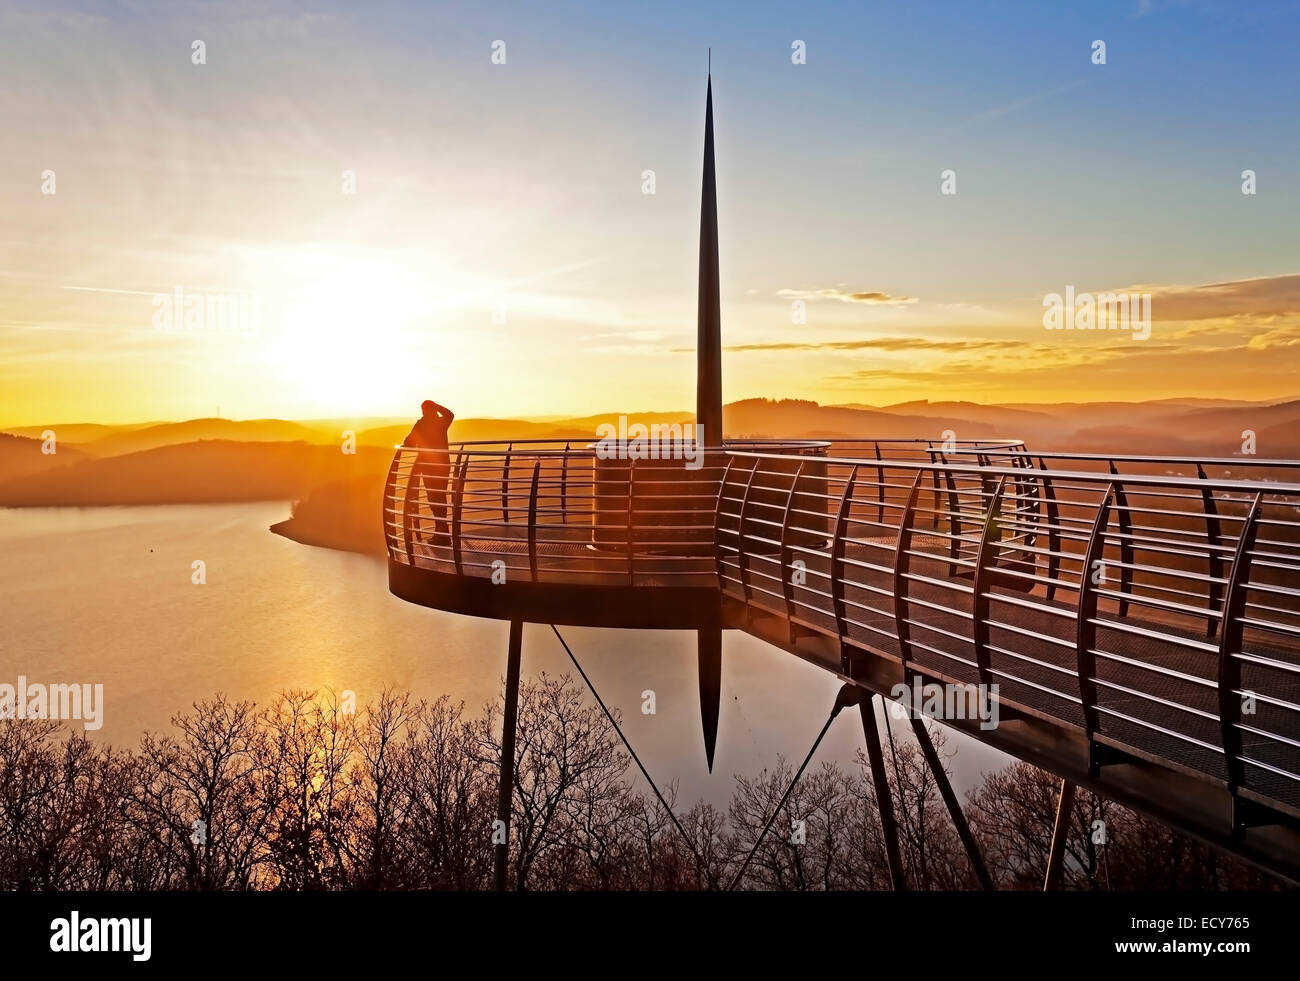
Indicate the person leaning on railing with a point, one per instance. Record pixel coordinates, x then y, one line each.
433 465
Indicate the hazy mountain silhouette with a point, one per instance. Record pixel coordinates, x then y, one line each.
174 433
201 472
79 432
337 496
21 455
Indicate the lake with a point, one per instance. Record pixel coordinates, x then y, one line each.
104 596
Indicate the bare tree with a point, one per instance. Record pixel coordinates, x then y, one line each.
568 764
300 796
198 794
381 734
309 745
451 802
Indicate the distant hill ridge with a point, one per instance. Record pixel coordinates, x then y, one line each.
1181 425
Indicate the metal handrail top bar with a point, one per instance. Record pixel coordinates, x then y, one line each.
990 441
580 445
993 469
505 449
1217 461
1084 476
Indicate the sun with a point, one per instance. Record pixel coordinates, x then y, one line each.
339 344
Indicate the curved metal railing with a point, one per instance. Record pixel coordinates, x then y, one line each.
1159 614
1225 467
555 511
551 510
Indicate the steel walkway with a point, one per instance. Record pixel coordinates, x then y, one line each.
1137 617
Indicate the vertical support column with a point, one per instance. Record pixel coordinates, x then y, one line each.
708 654
508 720
1060 832
708 344
954 807
884 799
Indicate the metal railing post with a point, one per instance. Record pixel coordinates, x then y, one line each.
742 553
787 574
902 564
717 523
532 520
390 491
457 512
1125 521
412 495
1086 627
631 520
505 484
1231 637
837 557
980 599
564 485
880 486
1214 539
1053 530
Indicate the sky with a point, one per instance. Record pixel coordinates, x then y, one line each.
410 217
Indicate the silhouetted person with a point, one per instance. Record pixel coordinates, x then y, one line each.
433 465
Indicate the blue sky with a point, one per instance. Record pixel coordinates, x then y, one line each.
520 185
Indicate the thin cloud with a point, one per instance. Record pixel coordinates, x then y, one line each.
1269 296
884 344
846 296
997 112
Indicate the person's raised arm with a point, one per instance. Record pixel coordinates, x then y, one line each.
444 413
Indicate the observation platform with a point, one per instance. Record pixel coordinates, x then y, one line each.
1140 616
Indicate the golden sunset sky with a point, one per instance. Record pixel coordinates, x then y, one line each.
518 187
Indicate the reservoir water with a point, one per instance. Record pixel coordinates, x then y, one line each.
105 596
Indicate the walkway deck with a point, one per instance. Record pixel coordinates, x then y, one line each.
1150 618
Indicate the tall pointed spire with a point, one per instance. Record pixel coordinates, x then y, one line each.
708 410
708 365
